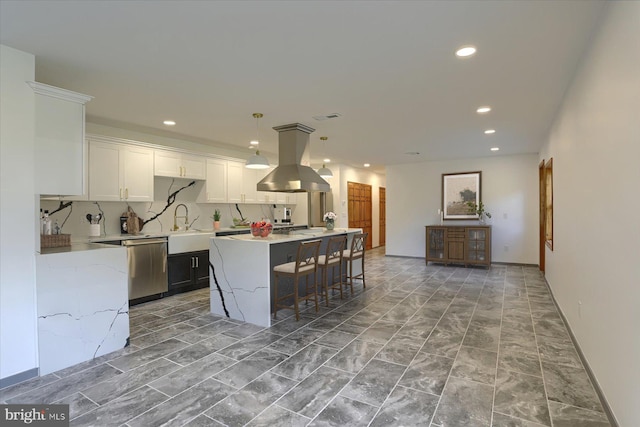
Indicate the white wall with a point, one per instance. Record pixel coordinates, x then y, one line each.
18 341
595 145
509 191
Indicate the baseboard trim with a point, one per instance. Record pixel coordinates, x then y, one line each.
18 378
515 264
605 404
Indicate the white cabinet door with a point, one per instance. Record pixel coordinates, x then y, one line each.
137 173
167 163
249 182
264 196
104 172
216 184
286 198
235 185
193 167
60 150
120 172
178 165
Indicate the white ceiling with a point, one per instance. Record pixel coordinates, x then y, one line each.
388 67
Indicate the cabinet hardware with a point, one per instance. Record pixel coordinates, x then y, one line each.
126 193
197 262
192 262
120 193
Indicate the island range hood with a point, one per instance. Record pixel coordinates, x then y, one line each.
291 175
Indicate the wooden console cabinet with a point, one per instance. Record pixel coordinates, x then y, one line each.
459 244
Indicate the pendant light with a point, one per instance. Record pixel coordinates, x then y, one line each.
324 171
257 161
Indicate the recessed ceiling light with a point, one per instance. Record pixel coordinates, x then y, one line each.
495 148
366 165
326 160
482 110
489 131
169 123
465 51
254 142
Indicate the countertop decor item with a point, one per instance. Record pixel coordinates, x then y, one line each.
330 220
478 209
216 219
55 240
261 229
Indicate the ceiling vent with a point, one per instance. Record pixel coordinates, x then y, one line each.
328 116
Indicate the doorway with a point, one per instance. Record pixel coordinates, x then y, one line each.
383 216
359 199
542 213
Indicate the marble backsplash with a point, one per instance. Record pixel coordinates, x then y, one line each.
73 219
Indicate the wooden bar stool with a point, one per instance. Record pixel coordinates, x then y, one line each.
305 265
356 252
332 260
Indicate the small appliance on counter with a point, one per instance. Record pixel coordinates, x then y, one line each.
281 215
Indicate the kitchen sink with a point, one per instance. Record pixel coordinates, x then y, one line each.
189 241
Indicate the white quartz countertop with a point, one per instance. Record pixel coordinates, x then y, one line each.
310 233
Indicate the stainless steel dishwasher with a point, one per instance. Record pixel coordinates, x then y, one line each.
147 266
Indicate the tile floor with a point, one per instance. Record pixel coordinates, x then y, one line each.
422 345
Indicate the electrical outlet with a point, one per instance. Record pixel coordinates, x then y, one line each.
504 215
506 248
579 309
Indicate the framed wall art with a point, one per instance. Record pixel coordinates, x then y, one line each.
457 190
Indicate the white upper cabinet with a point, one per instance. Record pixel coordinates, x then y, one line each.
60 148
178 165
216 185
242 184
286 198
235 182
120 172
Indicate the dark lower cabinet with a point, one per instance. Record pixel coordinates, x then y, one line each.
188 271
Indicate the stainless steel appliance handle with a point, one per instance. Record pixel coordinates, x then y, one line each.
138 242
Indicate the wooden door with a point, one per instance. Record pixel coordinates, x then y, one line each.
541 180
383 216
359 200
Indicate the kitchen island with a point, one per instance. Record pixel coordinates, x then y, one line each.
241 270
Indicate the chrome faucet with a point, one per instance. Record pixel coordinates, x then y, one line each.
186 217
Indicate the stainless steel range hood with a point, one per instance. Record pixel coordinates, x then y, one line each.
293 175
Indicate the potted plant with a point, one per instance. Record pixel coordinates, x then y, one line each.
216 219
478 210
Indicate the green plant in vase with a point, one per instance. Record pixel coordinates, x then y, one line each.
478 209
216 219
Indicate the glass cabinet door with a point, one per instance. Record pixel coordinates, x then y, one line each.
436 243
476 244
